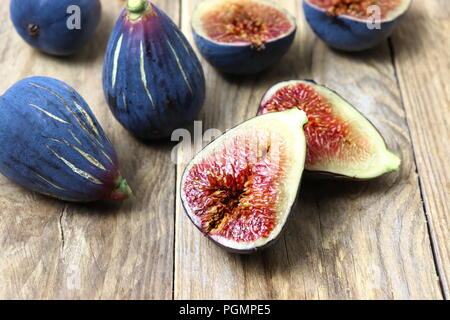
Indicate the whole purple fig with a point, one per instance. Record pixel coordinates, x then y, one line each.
152 79
56 27
51 143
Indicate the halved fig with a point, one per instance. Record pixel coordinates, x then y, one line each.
358 9
354 25
340 140
242 36
240 189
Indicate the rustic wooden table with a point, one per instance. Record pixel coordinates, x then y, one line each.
384 239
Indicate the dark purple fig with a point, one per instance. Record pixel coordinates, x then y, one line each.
242 36
340 140
51 143
240 189
59 27
152 79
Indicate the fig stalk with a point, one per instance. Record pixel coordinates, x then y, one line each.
123 190
137 8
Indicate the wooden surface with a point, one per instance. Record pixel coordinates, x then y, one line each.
383 239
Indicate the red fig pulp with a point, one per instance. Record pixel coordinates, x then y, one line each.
245 21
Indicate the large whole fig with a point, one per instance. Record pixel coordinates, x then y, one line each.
152 79
59 27
51 143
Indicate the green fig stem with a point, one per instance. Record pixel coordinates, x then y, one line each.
137 8
123 190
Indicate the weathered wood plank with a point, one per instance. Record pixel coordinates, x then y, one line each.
345 240
50 249
422 57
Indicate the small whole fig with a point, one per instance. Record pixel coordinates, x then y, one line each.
60 27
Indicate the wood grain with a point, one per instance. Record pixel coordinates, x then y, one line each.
422 57
346 240
51 249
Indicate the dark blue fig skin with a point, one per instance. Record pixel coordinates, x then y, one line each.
243 60
152 79
51 143
346 34
53 36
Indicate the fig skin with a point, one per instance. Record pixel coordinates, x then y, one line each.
349 34
51 143
294 114
152 79
246 59
43 24
328 174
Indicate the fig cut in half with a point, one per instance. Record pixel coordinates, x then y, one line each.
361 9
354 25
340 140
240 189
242 36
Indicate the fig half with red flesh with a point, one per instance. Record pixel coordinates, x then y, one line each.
357 8
340 140
242 36
354 25
240 189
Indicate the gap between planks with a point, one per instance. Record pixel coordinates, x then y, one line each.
433 242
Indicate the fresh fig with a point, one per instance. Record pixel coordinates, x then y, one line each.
242 36
354 25
240 189
153 81
340 141
51 143
56 27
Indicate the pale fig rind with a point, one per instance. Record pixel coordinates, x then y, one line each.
51 143
152 79
287 144
381 160
347 33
